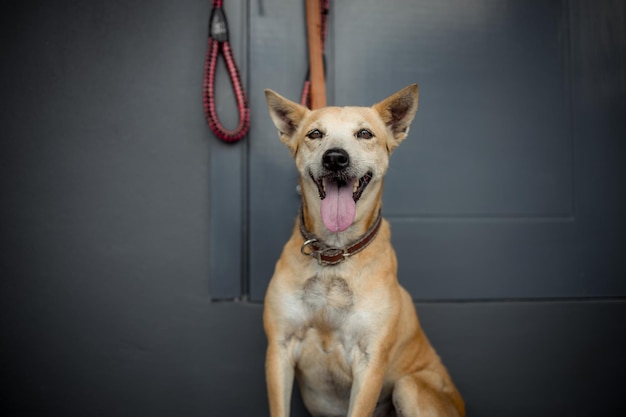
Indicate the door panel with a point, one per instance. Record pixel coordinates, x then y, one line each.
486 258
502 188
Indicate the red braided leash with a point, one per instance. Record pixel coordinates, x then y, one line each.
218 42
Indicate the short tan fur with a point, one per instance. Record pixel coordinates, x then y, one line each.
348 333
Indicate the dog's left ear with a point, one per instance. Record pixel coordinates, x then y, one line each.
287 116
398 111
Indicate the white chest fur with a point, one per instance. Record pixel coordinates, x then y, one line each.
322 318
328 301
327 339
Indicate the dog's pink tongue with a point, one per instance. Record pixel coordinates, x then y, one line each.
338 208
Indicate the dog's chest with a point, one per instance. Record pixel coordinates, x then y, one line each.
325 320
327 300
327 339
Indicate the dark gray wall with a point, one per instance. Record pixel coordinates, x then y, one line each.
106 168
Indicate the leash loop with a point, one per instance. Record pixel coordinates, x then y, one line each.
218 43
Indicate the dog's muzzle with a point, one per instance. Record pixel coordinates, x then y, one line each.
339 188
336 164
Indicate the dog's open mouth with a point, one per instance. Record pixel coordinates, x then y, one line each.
357 186
339 195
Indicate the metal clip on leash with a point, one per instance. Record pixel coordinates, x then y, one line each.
218 41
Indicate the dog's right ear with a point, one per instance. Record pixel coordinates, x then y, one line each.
287 116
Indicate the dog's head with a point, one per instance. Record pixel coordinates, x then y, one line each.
342 153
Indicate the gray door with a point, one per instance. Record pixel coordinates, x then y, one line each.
508 185
506 201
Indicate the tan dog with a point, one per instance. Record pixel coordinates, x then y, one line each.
335 316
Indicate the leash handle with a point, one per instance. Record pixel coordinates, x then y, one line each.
218 42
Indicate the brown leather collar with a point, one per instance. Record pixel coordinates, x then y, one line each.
328 255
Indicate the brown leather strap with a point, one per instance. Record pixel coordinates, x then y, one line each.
316 60
328 255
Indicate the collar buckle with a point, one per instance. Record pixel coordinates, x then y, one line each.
325 255
328 255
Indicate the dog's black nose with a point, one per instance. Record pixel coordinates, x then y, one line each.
335 159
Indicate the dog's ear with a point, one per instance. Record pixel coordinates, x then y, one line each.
286 115
398 111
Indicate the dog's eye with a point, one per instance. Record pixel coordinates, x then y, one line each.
364 134
314 134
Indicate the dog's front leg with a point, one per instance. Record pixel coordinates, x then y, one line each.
279 373
368 374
